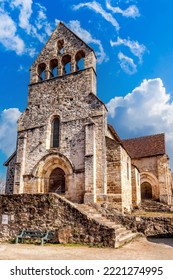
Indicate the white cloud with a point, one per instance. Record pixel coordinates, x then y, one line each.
146 110
25 8
74 25
8 130
97 8
127 64
8 37
24 20
136 49
39 27
41 24
132 11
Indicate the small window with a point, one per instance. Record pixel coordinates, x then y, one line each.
42 71
66 63
80 63
55 133
61 47
54 68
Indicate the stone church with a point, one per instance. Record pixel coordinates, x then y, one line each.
64 144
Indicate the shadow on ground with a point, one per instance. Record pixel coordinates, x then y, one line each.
165 241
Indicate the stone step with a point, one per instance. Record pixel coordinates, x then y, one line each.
122 234
121 231
122 240
154 206
96 215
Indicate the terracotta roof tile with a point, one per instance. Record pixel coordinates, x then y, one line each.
146 146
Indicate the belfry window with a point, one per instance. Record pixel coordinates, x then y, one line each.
42 71
66 63
60 46
54 68
55 133
80 56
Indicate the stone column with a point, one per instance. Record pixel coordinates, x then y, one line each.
90 164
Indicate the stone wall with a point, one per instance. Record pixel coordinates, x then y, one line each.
126 180
164 177
148 225
51 212
113 166
147 164
119 184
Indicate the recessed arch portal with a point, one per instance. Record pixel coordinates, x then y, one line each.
149 186
53 167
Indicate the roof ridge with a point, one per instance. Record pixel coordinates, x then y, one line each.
66 26
147 136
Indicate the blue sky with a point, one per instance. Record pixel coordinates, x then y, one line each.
134 46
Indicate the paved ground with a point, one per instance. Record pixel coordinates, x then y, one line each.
140 249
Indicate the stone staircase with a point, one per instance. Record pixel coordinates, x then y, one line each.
122 235
154 206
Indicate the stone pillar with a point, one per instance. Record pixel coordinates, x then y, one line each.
20 163
73 65
90 164
34 77
136 190
164 180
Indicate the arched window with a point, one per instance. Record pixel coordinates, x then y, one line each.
66 63
41 71
55 133
60 47
79 58
54 68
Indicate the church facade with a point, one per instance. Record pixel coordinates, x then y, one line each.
64 144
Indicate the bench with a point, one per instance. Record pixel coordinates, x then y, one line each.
43 235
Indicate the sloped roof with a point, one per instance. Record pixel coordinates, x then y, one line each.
9 159
117 138
60 27
112 130
62 23
146 146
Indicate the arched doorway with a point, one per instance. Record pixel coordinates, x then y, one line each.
149 186
57 181
146 190
52 171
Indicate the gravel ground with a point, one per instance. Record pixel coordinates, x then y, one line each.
139 249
